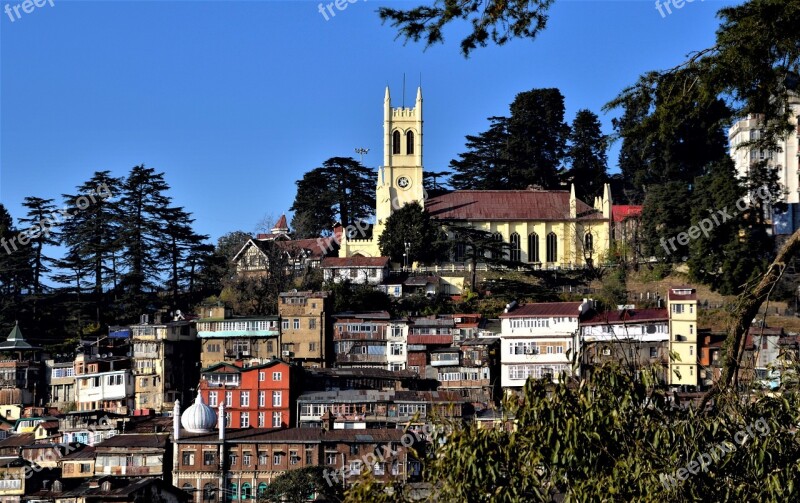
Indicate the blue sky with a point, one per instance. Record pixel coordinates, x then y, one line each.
235 100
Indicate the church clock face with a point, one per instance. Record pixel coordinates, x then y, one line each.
403 182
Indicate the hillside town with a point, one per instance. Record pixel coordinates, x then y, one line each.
216 406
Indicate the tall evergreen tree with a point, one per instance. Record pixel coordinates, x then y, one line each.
341 189
16 276
39 224
484 165
411 224
587 156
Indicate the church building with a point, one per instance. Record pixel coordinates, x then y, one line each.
548 229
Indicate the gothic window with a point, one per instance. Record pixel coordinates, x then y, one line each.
552 247
410 142
396 142
588 243
533 247
516 251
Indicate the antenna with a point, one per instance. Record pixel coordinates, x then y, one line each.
362 151
404 89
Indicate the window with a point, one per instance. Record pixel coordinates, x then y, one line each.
533 247
232 457
552 247
233 490
270 347
87 467
588 243
396 142
247 492
691 329
262 376
187 458
262 398
691 308
285 324
261 420
209 458
330 458
653 352
277 421
244 399
397 350
212 399
228 398
515 250
677 308
296 323
244 420
312 347
276 376
294 458
263 458
247 459
309 457
691 350
262 489
410 142
277 458
312 323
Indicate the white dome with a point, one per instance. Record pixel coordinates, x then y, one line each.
199 417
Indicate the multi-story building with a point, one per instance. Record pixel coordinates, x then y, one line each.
424 336
635 338
536 340
682 306
467 326
22 382
471 369
306 328
61 382
103 383
359 339
358 269
90 427
359 409
256 396
397 344
783 161
228 339
165 358
134 455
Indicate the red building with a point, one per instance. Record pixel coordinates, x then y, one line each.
258 396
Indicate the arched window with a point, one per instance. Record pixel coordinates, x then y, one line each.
233 491
247 492
396 142
533 247
460 252
410 142
262 489
188 488
496 252
516 250
552 247
588 243
209 492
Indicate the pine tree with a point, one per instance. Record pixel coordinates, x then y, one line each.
39 222
587 156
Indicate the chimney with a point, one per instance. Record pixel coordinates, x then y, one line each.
176 421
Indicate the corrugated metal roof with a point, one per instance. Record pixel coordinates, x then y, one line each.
506 205
545 309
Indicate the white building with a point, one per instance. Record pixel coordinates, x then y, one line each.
111 390
397 345
358 269
535 340
784 162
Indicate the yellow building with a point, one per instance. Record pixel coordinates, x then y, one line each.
682 305
545 228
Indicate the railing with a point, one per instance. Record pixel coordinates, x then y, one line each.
360 358
359 336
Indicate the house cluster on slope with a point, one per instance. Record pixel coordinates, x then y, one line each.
138 411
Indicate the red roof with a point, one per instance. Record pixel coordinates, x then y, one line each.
356 261
627 316
675 293
507 205
430 339
547 309
281 223
621 212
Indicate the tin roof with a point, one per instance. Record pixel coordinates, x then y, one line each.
507 205
545 309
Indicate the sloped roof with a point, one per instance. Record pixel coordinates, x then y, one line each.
16 342
507 205
545 309
356 261
620 212
627 316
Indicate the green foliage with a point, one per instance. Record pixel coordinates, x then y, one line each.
614 290
523 149
413 225
340 190
616 439
295 486
587 156
357 297
495 20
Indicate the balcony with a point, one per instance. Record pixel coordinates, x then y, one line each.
359 336
446 360
360 358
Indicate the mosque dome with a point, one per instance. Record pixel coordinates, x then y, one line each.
199 417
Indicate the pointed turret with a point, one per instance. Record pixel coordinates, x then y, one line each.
281 227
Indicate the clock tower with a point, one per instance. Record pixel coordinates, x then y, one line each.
400 177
